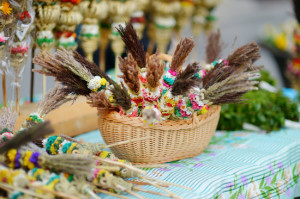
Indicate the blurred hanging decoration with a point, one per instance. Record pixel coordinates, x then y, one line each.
138 19
69 19
92 11
20 43
210 18
6 19
164 21
47 15
184 15
119 11
105 30
293 69
203 19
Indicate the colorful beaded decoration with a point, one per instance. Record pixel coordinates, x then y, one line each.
168 80
57 145
26 159
5 135
35 118
53 144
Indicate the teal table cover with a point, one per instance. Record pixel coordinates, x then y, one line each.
235 165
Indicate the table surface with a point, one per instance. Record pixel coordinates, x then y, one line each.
235 165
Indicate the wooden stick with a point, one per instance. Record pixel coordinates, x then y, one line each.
117 68
150 165
168 183
127 141
4 88
152 192
102 58
60 194
18 99
44 85
165 57
7 186
109 168
132 168
92 194
89 56
104 39
135 194
32 76
120 187
150 47
110 193
145 183
68 138
173 195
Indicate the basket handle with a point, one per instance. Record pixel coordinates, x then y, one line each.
164 57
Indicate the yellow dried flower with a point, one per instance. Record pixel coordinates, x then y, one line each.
6 9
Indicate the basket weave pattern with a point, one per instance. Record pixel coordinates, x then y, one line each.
169 140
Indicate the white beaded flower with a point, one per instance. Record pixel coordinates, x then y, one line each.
94 83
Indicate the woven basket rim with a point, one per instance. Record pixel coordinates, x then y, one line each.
193 122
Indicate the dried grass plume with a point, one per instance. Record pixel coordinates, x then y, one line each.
183 49
155 71
128 67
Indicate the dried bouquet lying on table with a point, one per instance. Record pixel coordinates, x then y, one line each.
60 166
145 90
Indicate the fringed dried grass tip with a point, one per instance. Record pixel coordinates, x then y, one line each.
183 49
155 71
128 66
133 44
213 47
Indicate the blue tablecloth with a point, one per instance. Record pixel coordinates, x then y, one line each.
235 165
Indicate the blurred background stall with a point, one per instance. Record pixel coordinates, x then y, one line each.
240 21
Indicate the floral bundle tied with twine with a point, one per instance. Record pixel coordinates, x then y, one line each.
146 90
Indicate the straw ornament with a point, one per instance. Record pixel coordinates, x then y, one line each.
20 43
69 18
182 17
5 20
164 22
47 15
92 12
120 11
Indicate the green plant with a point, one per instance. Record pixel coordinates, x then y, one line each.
263 109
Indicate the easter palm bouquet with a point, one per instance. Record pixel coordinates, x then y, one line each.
178 108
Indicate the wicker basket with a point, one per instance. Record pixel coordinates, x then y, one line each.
171 140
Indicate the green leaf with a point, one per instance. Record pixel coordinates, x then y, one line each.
295 178
294 169
274 180
277 193
264 195
234 184
262 182
240 191
235 195
268 189
282 174
216 196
